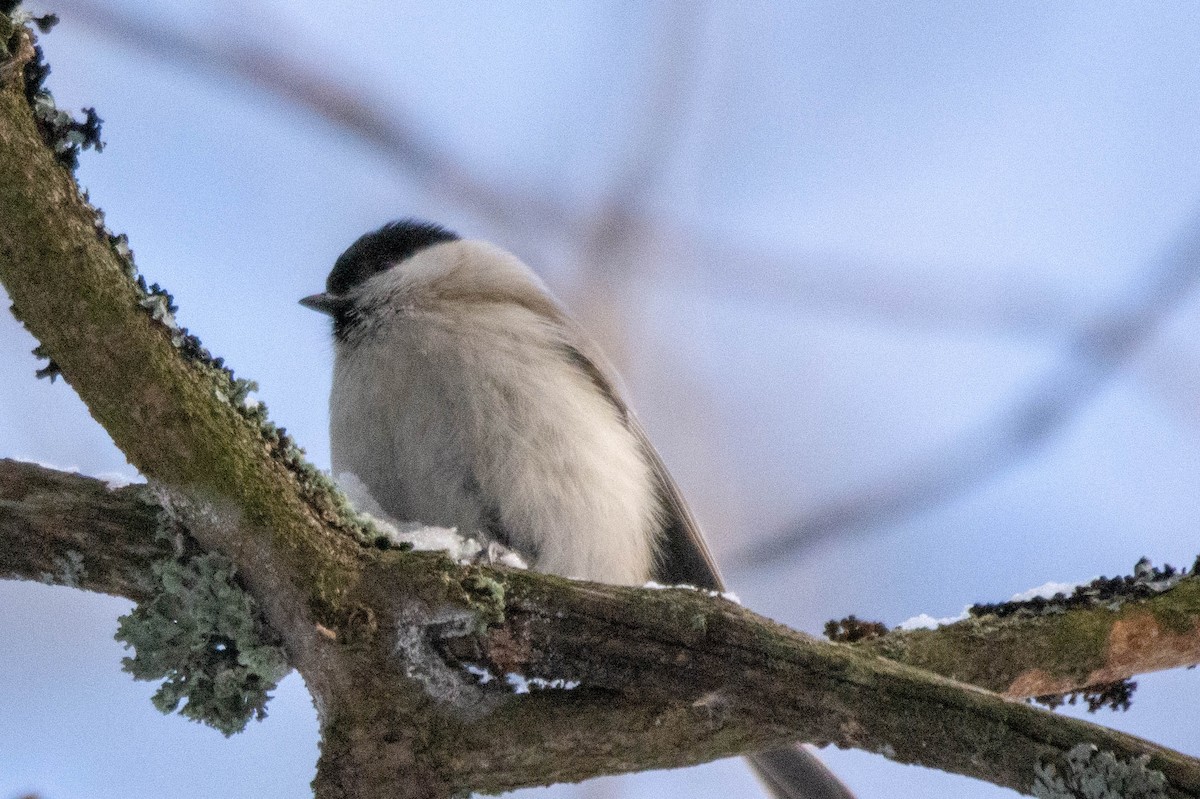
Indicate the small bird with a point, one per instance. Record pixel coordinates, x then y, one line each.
464 396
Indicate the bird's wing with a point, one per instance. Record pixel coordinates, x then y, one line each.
683 557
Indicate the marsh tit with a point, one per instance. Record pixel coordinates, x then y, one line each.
464 396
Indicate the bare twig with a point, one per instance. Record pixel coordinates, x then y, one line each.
951 299
1087 363
614 243
811 280
379 124
670 80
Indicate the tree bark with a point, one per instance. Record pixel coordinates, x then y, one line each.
1054 651
664 677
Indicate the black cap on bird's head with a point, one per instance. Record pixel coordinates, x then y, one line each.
373 253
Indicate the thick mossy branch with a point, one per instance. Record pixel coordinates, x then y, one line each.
660 678
1042 648
174 411
666 660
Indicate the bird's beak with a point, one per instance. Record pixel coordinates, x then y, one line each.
323 302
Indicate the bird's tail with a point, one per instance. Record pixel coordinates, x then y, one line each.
796 773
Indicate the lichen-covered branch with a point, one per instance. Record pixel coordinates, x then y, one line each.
662 678
175 412
687 657
1107 631
67 529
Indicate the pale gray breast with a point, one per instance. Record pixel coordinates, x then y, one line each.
478 417
395 424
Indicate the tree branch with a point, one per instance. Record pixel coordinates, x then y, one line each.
666 678
173 410
1109 631
230 54
67 529
750 679
1089 360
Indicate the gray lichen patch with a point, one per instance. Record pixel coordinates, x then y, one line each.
70 570
418 632
1087 773
201 635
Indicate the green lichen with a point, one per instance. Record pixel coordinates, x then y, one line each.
1117 695
486 598
201 635
1087 773
1179 614
852 629
62 133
